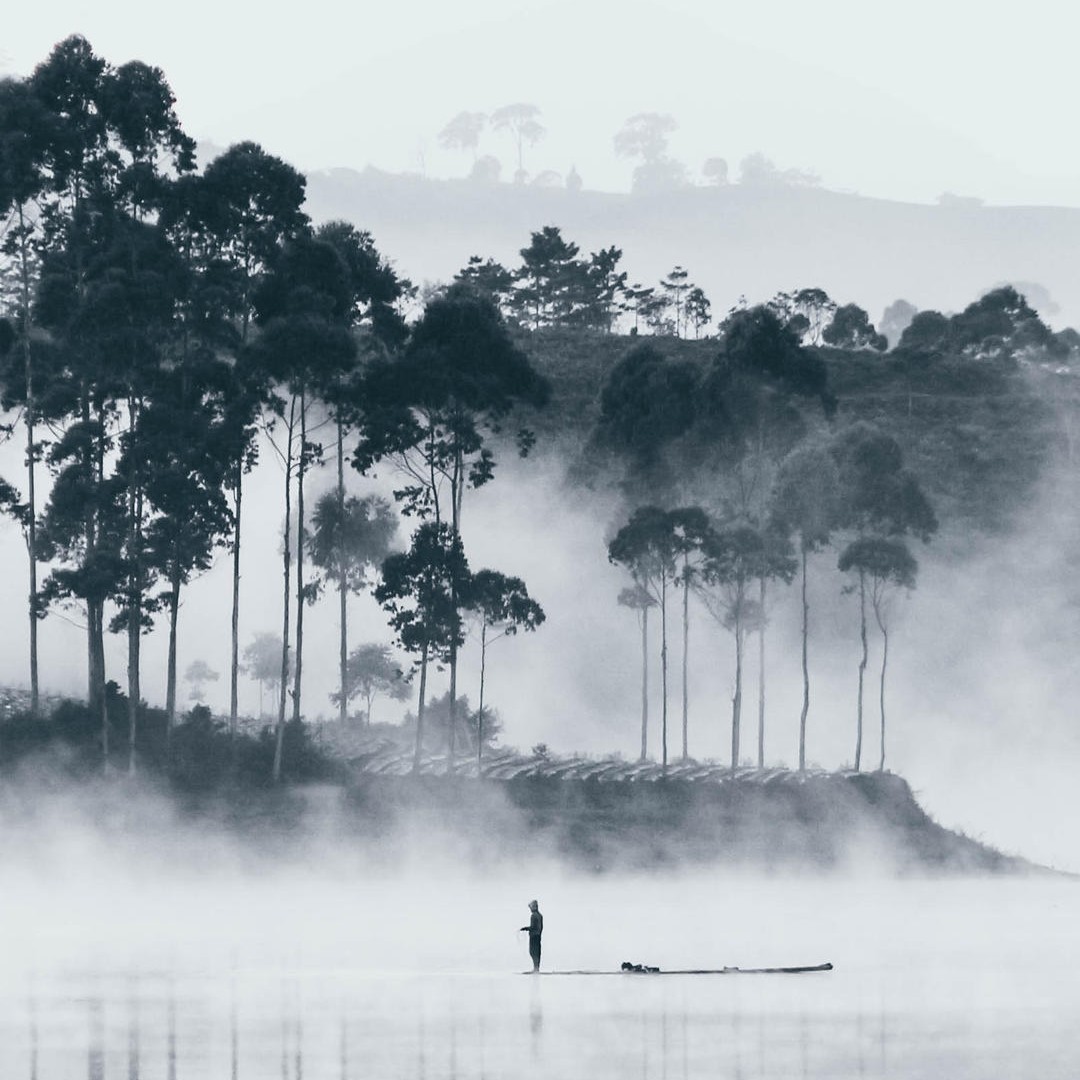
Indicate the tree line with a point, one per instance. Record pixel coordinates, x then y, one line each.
164 322
162 319
555 286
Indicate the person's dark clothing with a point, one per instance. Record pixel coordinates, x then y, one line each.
536 929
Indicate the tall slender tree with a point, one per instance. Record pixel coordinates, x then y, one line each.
346 542
638 599
807 501
432 409
503 606
648 546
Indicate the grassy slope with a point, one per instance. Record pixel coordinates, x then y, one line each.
976 435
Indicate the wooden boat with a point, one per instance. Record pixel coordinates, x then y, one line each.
642 969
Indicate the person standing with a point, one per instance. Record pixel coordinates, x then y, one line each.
535 929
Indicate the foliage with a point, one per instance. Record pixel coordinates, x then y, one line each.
346 541
371 671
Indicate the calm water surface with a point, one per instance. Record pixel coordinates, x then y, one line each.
417 979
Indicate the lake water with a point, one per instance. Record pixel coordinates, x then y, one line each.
385 976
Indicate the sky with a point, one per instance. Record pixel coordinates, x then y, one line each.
902 102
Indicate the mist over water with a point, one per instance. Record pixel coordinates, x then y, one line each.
336 964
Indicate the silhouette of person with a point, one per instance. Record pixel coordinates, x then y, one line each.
535 928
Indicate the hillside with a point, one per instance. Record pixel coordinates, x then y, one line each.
977 434
734 240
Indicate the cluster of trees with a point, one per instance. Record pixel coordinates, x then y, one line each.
161 324
162 318
520 122
556 286
644 137
772 494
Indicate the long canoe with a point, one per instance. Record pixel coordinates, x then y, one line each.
699 971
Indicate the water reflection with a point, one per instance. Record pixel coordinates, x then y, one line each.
315 1024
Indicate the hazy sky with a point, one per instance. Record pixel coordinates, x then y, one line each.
898 101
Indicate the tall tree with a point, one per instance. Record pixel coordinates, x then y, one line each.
807 503
521 120
25 129
879 500
304 346
419 590
733 556
648 547
375 292
503 606
237 216
432 410
346 541
638 598
887 564
692 532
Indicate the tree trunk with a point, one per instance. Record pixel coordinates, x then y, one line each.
663 673
480 711
286 571
644 683
170 678
761 675
736 700
862 670
420 709
31 521
457 490
884 664
343 645
134 604
685 661
301 471
805 667
95 662
234 658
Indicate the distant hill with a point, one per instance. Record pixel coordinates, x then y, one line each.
734 240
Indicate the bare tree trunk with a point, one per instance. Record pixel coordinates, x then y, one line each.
417 753
736 700
134 623
480 712
761 675
884 664
456 491
805 667
95 650
234 658
31 518
170 677
663 673
286 565
685 661
301 472
644 682
862 669
343 645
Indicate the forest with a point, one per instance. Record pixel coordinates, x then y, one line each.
164 326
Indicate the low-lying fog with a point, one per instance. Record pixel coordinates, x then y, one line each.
981 686
148 947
